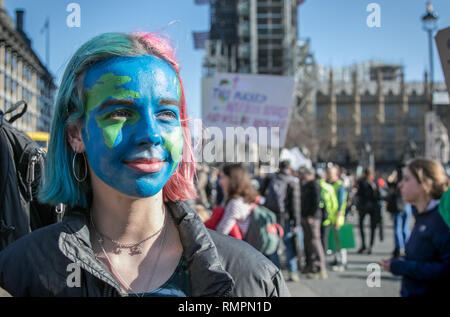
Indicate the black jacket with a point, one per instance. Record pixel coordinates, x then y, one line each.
311 200
368 196
395 203
289 194
218 265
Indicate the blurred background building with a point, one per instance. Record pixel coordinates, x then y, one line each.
368 109
355 115
23 76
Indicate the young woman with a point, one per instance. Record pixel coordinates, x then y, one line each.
120 158
240 194
426 267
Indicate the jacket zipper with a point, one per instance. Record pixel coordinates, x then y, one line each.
108 291
227 292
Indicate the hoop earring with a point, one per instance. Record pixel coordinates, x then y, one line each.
79 179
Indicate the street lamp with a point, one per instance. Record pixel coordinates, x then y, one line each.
429 21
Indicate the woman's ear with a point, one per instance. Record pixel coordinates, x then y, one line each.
427 185
75 138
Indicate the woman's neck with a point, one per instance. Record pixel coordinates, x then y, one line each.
422 203
124 218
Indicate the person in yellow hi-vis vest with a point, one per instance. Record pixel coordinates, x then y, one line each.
338 220
329 206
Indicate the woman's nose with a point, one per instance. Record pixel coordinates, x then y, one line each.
148 131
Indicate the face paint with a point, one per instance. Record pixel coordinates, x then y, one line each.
132 127
113 125
174 144
105 88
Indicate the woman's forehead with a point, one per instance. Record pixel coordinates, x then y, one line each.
135 67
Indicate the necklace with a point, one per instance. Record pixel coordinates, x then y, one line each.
134 248
162 244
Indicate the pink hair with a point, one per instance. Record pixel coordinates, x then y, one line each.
181 185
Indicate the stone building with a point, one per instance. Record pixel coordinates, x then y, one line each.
23 76
376 112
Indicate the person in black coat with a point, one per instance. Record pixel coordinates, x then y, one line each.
311 223
400 212
367 202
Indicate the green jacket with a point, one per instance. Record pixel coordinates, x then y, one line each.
444 207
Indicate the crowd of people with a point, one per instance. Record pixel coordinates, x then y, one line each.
120 159
308 204
314 206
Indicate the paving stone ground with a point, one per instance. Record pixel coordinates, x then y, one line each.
353 282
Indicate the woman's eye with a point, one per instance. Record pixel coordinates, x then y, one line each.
166 115
119 114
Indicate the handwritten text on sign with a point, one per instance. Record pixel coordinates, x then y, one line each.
242 100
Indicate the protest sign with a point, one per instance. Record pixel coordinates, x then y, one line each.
248 101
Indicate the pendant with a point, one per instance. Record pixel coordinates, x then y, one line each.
137 249
118 250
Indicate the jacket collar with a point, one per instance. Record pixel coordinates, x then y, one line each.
283 172
75 244
207 274
432 205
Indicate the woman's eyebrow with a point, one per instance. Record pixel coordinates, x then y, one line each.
169 102
116 102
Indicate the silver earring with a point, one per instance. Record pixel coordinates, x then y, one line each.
79 179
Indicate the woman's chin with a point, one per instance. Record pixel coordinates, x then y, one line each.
144 188
144 193
139 193
408 200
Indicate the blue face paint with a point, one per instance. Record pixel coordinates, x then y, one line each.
132 127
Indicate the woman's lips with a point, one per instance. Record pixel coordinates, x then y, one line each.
145 165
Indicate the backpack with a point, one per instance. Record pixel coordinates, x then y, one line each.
264 233
275 194
21 161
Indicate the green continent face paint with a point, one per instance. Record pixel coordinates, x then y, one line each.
106 87
112 126
173 142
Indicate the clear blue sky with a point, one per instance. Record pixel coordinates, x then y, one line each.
337 28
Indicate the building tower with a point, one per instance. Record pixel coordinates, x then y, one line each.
252 36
